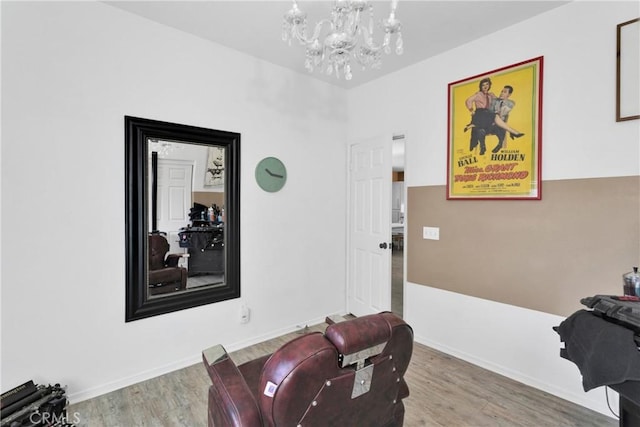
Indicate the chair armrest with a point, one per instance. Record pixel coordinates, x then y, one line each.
231 402
172 260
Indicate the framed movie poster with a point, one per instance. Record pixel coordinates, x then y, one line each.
214 175
494 134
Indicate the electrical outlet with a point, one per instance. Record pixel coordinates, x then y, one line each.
431 233
245 314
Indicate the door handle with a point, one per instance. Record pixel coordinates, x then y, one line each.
383 245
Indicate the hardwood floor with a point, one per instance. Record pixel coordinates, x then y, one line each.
445 391
397 280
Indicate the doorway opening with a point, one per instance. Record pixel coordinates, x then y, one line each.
398 191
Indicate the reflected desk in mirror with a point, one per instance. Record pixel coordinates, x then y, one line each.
205 245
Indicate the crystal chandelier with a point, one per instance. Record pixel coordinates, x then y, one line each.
346 38
163 148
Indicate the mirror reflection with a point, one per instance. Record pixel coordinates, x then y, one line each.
186 217
182 216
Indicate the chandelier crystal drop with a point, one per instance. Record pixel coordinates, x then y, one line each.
345 37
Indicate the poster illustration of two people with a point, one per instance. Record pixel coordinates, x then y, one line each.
494 134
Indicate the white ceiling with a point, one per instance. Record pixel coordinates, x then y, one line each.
254 27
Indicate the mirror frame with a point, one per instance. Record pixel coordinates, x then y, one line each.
138 131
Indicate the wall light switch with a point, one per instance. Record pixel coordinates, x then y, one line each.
431 233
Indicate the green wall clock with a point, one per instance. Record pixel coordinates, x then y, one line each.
271 174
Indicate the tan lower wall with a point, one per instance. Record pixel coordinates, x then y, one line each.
208 198
544 255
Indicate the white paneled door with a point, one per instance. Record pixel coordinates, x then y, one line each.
369 287
174 198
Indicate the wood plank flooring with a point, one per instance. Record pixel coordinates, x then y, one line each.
445 391
397 281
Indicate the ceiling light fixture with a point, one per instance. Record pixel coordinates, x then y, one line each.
163 148
346 37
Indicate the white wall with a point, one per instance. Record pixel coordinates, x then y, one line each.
580 140
70 72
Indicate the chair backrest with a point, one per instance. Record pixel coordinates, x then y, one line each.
158 248
351 375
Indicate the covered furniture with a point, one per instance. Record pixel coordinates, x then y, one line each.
607 354
352 375
164 274
205 244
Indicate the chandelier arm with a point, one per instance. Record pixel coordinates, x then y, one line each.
302 37
368 58
394 6
356 24
368 38
318 28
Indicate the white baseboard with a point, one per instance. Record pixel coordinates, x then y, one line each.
581 400
180 364
273 334
130 380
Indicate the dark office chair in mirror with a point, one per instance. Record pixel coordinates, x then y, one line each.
165 275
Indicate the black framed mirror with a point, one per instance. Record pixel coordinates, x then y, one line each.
182 218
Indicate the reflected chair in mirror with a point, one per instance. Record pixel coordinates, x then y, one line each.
164 273
350 375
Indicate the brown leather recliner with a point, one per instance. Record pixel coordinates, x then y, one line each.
352 375
164 274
